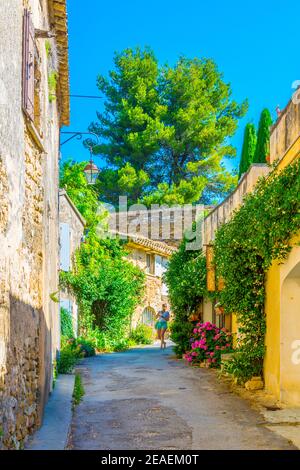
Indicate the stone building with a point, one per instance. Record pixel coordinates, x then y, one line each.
151 257
34 104
71 226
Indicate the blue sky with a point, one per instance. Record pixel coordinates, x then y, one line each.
255 44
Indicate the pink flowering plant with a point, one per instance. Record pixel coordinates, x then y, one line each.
208 342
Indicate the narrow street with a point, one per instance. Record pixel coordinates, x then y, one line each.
144 399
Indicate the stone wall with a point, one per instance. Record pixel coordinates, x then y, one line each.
223 212
29 321
153 288
286 130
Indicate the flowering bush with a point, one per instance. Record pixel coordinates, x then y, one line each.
208 342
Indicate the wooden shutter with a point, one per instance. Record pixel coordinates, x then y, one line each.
28 65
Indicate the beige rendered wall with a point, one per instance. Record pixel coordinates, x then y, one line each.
281 368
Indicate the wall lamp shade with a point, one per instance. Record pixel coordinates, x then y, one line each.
91 172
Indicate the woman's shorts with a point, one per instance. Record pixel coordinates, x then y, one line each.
161 325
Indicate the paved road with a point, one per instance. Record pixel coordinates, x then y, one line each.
144 399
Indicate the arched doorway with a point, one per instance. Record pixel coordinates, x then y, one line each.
290 332
148 316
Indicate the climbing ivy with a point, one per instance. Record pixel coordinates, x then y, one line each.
258 233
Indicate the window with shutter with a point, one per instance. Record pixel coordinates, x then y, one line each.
65 249
28 65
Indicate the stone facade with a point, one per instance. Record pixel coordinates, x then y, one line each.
29 151
223 212
72 222
152 258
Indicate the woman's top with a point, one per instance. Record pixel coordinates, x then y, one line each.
164 315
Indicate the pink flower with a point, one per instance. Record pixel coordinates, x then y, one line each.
209 361
218 347
195 330
214 360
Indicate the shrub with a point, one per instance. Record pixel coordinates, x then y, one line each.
85 347
67 359
207 343
142 334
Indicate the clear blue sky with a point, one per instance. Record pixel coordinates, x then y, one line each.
255 44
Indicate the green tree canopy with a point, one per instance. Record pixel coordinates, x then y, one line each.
262 150
248 149
165 129
107 287
85 198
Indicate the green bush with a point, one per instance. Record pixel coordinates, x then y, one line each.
86 347
142 334
67 359
66 323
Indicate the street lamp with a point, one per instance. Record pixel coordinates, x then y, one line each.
91 171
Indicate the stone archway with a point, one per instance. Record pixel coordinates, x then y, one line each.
148 316
290 330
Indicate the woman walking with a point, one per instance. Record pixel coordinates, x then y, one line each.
162 324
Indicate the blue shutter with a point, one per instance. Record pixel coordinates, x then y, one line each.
65 249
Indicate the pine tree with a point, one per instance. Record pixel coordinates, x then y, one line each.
263 137
248 149
164 130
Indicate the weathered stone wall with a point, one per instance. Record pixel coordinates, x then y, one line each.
69 215
153 289
223 212
29 321
286 130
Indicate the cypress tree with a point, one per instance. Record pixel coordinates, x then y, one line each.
263 137
248 149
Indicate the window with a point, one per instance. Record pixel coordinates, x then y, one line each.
150 263
28 65
148 316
